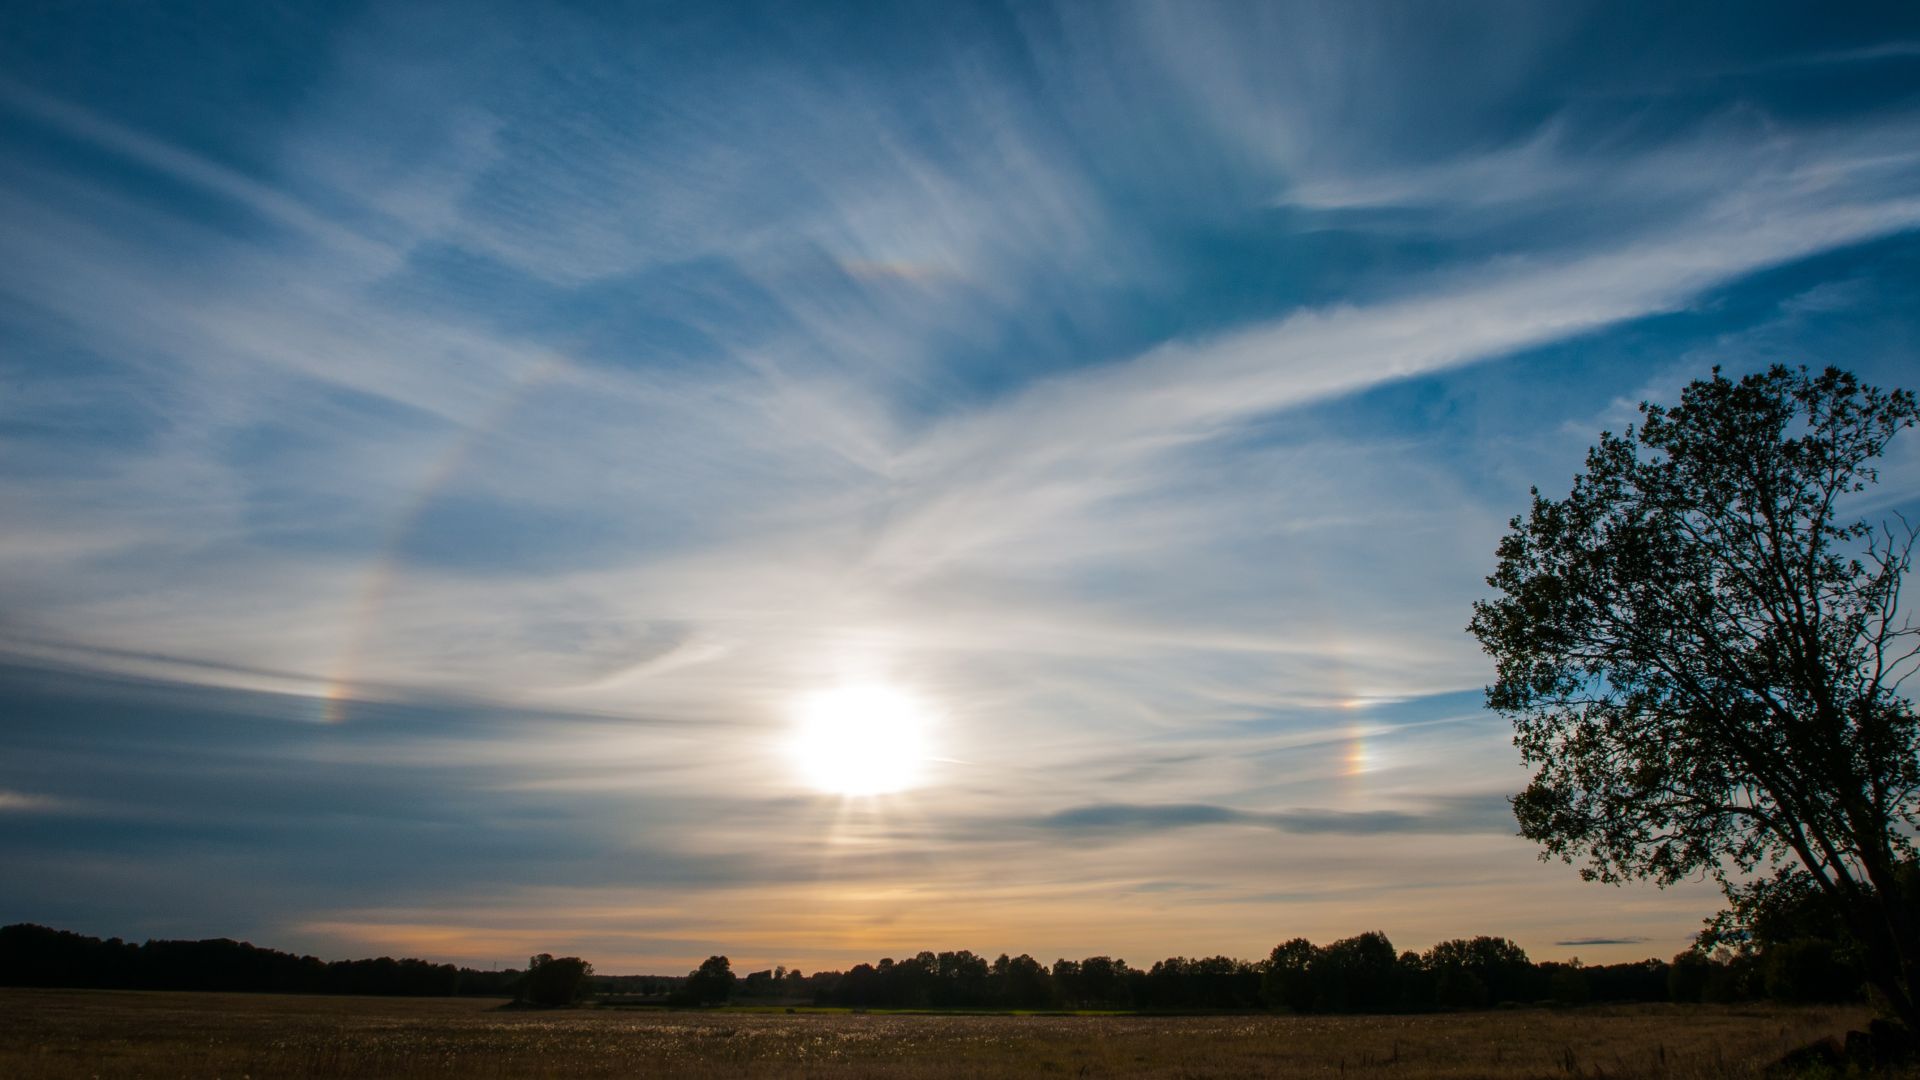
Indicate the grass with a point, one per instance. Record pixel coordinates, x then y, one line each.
55 1035
863 1010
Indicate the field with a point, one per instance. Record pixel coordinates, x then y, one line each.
46 1035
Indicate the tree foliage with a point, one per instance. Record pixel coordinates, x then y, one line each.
1289 975
711 983
33 955
1702 653
552 980
1479 972
1358 974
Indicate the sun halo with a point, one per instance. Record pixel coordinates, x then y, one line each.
861 740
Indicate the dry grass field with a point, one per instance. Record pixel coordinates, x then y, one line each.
46 1035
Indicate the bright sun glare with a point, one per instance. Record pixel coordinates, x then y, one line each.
861 740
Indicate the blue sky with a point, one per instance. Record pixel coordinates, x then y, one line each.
444 448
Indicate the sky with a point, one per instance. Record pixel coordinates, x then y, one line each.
453 459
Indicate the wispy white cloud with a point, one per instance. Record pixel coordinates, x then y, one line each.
23 802
1077 475
434 432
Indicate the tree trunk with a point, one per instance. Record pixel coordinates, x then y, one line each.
1905 953
1891 969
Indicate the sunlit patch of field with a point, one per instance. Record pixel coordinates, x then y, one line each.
59 1034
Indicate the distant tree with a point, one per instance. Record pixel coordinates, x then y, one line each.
961 978
1021 982
1287 982
1455 982
1796 935
1702 655
859 985
1067 985
1645 980
1419 989
1356 974
39 956
1688 976
1567 983
912 982
1221 982
1473 973
552 980
1103 982
711 983
488 983
1171 985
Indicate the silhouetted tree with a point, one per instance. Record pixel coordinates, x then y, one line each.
1356 974
1645 980
1288 979
1566 983
912 981
712 982
1687 977
1485 970
1104 983
39 956
1809 970
1795 934
1067 987
1221 982
960 978
552 980
480 983
1020 982
1419 989
1702 656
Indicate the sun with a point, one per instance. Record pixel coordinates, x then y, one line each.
861 740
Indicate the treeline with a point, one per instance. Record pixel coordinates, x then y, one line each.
1362 974
40 956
